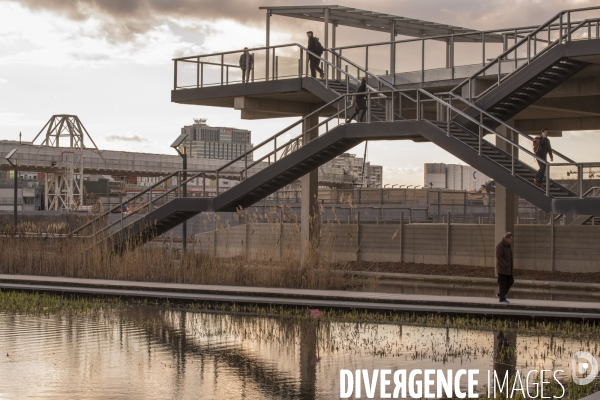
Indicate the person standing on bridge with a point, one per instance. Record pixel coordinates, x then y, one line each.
246 64
360 101
315 47
542 150
504 266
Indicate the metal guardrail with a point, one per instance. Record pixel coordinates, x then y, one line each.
511 146
279 62
461 55
566 26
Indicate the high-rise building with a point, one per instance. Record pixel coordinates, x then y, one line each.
352 165
216 142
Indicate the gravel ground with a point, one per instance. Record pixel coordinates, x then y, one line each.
473 271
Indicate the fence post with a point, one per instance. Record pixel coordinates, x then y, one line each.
358 236
246 247
401 235
465 207
281 233
215 235
439 205
448 241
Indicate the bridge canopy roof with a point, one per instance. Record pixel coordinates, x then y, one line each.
376 21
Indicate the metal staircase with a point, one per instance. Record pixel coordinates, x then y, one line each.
467 128
535 65
290 154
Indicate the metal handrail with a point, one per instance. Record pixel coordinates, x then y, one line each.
438 37
196 60
379 79
526 39
503 123
579 165
473 120
507 30
264 142
120 205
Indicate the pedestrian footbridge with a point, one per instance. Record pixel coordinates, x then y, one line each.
472 118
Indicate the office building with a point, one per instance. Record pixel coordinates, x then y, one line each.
216 142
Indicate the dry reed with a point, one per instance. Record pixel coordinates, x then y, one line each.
87 257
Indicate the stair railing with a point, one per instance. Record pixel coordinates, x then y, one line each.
486 116
533 46
432 108
149 198
289 139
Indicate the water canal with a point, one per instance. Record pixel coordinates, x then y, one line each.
160 353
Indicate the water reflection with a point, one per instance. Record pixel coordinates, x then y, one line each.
505 354
156 353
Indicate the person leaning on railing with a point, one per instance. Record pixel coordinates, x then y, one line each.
246 64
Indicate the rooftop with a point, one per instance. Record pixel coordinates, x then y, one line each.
382 22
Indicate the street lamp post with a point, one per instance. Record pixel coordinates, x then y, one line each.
14 165
178 142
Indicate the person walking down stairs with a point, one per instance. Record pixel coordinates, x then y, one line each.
360 102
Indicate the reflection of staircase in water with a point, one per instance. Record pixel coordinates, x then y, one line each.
267 377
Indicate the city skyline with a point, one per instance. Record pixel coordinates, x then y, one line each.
111 66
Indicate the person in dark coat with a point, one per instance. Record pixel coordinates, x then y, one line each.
542 151
504 266
313 60
246 64
361 101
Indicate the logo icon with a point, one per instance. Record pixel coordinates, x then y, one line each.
584 368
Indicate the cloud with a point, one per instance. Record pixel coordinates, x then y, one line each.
125 138
3 81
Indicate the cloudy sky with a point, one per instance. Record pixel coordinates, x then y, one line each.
109 62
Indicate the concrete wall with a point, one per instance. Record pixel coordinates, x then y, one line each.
537 247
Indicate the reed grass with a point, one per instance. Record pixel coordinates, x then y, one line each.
86 257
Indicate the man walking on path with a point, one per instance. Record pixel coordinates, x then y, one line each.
504 266
542 150
315 47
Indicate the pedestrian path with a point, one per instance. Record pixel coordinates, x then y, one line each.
306 297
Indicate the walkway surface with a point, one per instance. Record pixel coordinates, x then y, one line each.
306 297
